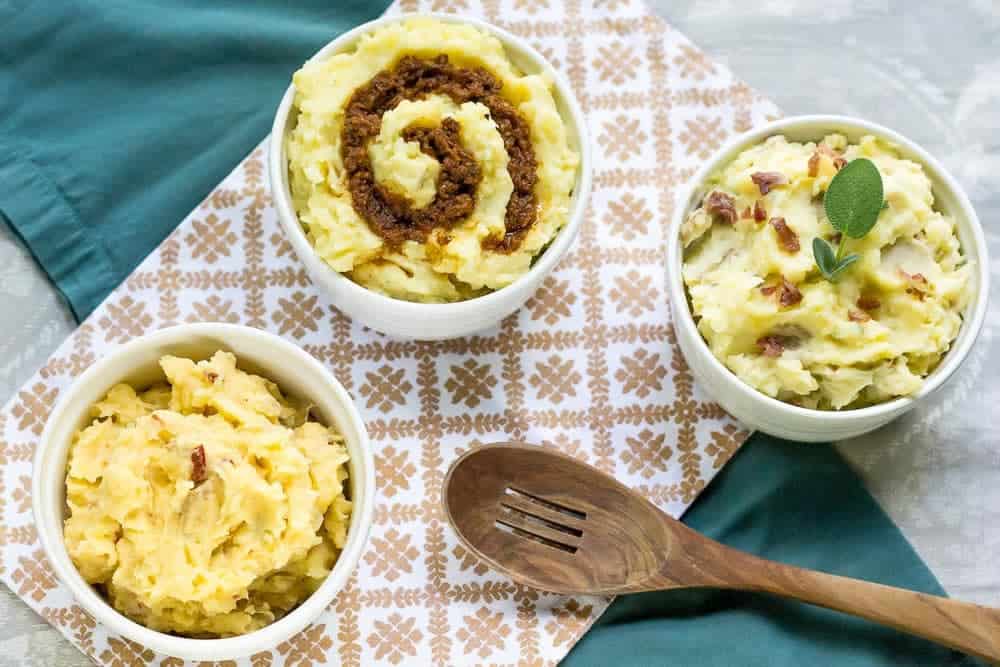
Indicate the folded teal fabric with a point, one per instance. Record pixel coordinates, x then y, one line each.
116 119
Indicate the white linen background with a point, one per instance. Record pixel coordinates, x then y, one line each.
933 73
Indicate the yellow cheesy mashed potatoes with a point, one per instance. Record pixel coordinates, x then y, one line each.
770 317
459 262
207 506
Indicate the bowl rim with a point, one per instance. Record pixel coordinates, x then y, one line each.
53 543
277 168
973 319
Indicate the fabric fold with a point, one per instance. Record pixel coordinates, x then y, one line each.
36 210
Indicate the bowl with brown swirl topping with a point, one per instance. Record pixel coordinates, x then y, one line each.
429 171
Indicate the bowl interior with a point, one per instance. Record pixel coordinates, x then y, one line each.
526 59
143 371
948 198
137 363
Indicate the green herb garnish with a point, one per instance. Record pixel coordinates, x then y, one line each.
852 202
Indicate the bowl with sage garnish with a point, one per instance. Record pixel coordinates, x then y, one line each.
825 274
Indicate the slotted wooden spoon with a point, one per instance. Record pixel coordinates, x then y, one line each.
551 522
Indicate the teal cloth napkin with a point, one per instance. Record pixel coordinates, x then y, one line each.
116 120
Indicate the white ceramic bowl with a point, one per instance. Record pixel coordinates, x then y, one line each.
406 319
783 419
296 372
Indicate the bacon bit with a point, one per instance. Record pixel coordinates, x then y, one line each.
786 236
212 376
759 212
766 180
836 237
918 284
198 468
858 316
746 213
722 205
814 164
839 162
790 294
868 303
771 346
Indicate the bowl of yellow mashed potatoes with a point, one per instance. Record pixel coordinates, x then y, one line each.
205 490
780 346
429 171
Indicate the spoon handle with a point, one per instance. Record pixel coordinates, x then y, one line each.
964 626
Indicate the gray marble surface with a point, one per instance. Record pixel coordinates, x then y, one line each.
930 70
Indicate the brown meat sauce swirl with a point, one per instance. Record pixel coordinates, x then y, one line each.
391 215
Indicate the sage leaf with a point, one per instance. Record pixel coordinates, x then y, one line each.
854 198
844 263
825 259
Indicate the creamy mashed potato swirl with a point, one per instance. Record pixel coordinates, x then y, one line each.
207 506
455 263
770 317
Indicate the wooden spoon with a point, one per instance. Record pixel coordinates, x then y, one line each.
551 522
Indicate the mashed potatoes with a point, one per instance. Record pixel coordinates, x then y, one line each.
457 261
208 506
768 314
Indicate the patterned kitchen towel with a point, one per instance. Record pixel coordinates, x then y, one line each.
589 365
